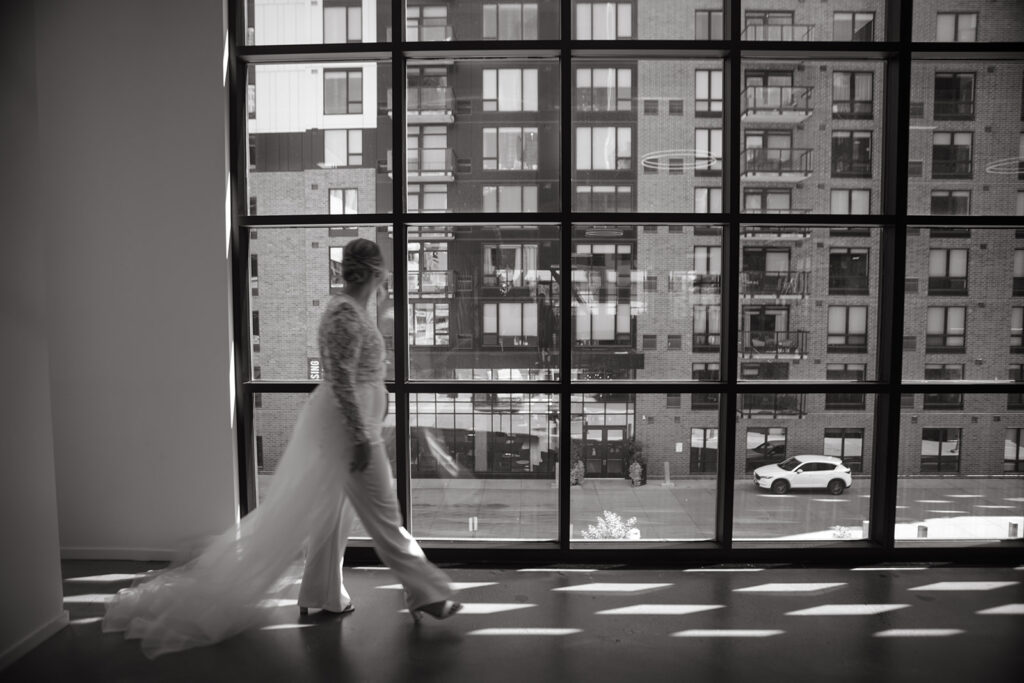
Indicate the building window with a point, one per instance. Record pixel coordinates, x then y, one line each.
603 325
343 91
604 148
343 22
940 449
673 401
709 92
428 324
951 155
1020 203
707 200
765 445
1016 374
851 202
510 149
1018 272
762 200
343 148
510 325
707 329
342 200
853 94
675 107
604 198
851 154
427 197
675 342
847 329
604 20
845 372
708 25
510 21
509 265
650 283
650 106
428 268
1013 450
707 269
510 198
705 372
709 150
606 90
847 444
427 150
946 329
951 202
509 90
427 23
703 450
848 270
954 96
1017 329
650 342
956 27
943 372
947 272
853 26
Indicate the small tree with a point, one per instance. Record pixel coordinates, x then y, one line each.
636 462
578 468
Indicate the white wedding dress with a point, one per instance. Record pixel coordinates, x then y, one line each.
225 589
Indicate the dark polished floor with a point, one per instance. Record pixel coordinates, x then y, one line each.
880 623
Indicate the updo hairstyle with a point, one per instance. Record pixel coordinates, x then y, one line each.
361 257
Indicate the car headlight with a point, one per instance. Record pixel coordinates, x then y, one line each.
767 476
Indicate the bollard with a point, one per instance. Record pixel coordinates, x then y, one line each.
474 524
922 531
554 484
668 476
865 529
1013 530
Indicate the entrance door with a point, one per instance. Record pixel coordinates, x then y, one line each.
605 448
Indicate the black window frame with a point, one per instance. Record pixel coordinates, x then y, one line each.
850 159
351 105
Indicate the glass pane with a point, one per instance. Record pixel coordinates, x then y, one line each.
647 135
801 21
297 22
946 21
808 294
964 127
961 469
319 138
646 302
488 20
812 136
643 468
484 302
647 20
482 136
803 468
507 443
961 299
292 274
274 416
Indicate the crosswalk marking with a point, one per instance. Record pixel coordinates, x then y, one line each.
850 610
965 586
918 632
660 610
727 633
1012 608
456 585
611 587
788 587
525 631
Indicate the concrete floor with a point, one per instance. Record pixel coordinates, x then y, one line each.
709 624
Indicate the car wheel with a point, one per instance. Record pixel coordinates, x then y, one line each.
781 486
836 487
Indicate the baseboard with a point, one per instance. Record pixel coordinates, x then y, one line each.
29 642
140 554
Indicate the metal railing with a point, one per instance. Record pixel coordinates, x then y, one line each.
776 98
774 282
425 99
777 161
432 282
430 161
774 405
773 343
786 32
429 29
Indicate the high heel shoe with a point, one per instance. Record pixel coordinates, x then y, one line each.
438 610
349 608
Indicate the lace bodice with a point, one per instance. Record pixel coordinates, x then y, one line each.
352 352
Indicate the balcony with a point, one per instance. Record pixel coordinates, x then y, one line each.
429 29
790 344
773 284
430 165
848 284
776 104
434 283
429 104
947 286
787 165
781 32
772 405
775 232
774 211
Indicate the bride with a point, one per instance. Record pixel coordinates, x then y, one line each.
333 468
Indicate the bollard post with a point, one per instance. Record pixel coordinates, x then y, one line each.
668 475
922 531
865 529
1013 530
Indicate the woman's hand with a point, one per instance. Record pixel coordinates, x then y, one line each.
360 457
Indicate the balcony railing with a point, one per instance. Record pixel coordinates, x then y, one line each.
776 211
775 231
432 283
772 405
432 163
787 32
707 283
781 163
847 284
774 282
429 104
775 344
777 101
947 286
706 341
429 29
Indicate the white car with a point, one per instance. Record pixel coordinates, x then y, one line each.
805 472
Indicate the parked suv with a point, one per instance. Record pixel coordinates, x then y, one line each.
805 472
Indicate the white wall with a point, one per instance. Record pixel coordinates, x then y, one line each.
30 587
132 121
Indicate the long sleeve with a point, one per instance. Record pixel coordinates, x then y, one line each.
341 338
